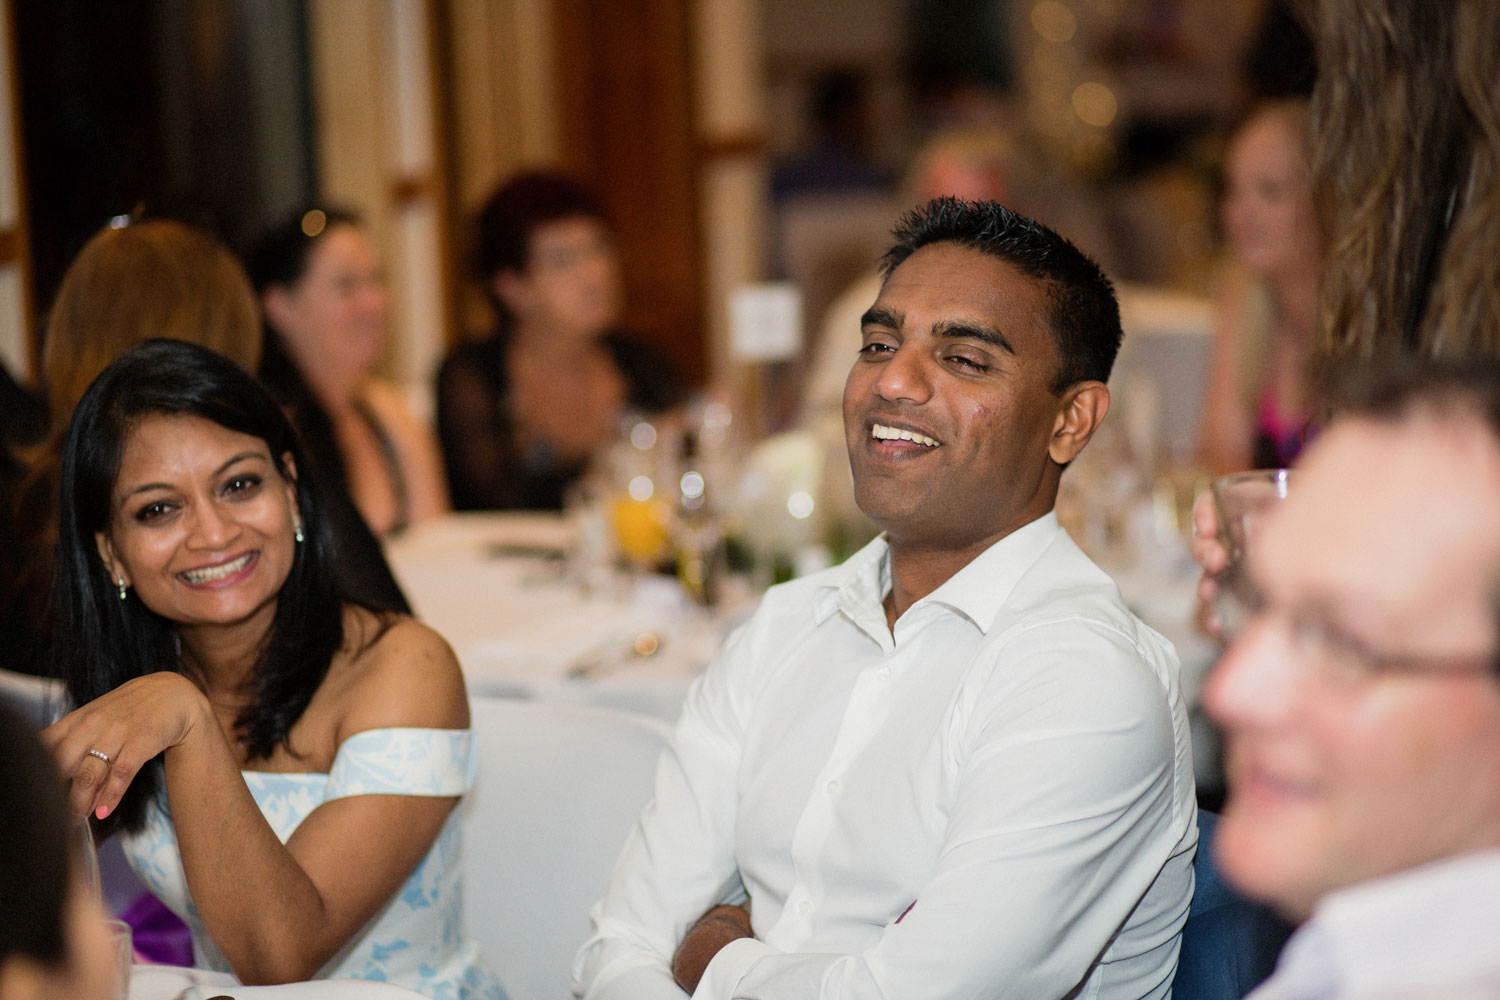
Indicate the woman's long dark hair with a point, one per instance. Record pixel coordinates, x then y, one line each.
100 641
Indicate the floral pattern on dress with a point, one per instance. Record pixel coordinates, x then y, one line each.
416 939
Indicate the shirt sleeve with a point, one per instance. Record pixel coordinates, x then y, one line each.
1067 806
680 858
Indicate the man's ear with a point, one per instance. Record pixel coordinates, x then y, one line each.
1084 405
111 561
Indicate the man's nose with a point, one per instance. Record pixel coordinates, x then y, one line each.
904 377
1255 681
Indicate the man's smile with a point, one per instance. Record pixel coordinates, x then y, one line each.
885 432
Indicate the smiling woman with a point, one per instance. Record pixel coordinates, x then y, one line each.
283 762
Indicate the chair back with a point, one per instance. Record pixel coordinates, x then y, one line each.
37 700
559 788
1229 944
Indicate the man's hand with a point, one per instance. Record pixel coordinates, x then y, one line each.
716 928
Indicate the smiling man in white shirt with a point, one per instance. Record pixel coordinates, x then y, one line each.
1361 705
956 765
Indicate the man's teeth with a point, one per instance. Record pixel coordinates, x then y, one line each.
212 573
884 433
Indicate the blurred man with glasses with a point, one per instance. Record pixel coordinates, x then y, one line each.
1361 699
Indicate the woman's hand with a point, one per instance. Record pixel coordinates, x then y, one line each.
1211 556
101 746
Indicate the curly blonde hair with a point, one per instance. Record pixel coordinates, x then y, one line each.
1407 174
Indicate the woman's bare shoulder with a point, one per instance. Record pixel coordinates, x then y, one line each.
397 672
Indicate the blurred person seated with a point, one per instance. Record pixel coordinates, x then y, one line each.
1256 406
283 763
324 299
1361 700
130 282
54 944
836 154
521 412
23 422
955 765
975 164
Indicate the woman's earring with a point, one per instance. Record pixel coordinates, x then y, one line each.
297 529
120 586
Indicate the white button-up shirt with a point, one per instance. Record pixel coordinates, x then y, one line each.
995 801
1428 933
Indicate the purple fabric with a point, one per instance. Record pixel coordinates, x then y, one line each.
160 937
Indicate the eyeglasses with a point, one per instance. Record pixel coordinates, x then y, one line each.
1339 658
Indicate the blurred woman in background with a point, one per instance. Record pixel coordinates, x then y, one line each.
53 940
285 762
324 300
1257 403
521 412
128 284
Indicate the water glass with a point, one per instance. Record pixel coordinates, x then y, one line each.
1241 502
123 940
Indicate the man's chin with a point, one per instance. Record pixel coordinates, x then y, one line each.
1266 860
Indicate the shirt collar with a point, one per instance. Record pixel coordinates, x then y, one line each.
977 591
1399 929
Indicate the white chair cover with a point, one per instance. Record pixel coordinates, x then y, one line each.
559 788
38 700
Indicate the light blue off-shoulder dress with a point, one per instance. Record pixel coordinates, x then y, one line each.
416 940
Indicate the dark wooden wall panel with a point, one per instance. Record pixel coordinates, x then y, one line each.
625 97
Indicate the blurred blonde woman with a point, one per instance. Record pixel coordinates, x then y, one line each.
1257 404
128 284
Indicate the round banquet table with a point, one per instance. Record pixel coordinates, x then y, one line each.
499 588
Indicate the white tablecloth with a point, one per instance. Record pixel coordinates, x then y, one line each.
170 982
497 587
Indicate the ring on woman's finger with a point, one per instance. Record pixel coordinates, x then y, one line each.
99 753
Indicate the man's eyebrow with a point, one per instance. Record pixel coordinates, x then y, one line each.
959 330
881 316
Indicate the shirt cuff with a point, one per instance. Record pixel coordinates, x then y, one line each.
728 967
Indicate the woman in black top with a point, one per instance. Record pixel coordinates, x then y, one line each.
521 412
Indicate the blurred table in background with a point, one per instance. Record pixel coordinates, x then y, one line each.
497 586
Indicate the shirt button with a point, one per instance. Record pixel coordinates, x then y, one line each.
885 673
803 906
833 786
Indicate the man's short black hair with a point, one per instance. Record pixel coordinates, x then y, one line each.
1085 317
